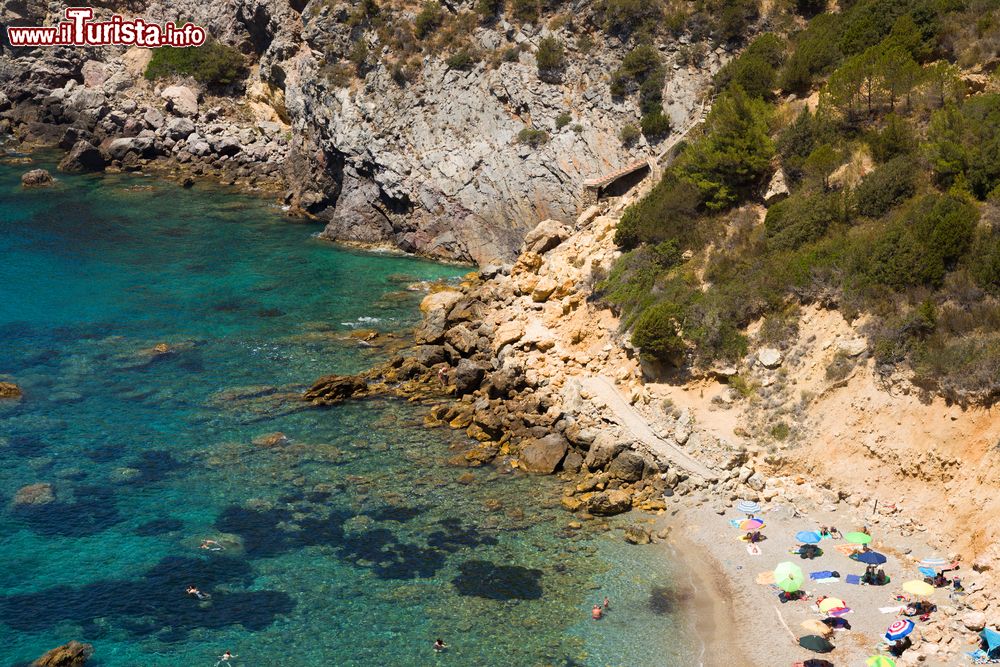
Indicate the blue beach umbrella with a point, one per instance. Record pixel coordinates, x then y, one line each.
870 558
935 562
899 629
748 507
927 571
807 537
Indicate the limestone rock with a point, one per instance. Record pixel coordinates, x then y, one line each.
544 455
73 654
181 100
547 235
507 333
9 390
442 299
627 467
41 493
777 189
468 376
36 178
974 620
543 290
331 389
853 348
82 157
607 503
636 534
179 128
768 357
604 448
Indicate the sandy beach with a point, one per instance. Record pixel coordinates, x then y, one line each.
743 623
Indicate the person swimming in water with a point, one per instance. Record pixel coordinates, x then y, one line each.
211 545
225 658
191 590
607 603
596 613
439 645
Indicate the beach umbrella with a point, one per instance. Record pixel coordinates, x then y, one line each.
817 627
788 577
748 507
828 605
899 629
816 644
870 558
751 524
921 588
880 661
858 538
807 536
935 562
927 571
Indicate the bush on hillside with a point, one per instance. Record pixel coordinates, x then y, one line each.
463 60
896 138
655 125
213 63
624 17
801 219
666 213
984 260
815 52
755 70
886 187
429 19
551 54
532 137
657 333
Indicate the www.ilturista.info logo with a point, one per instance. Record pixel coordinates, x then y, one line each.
79 30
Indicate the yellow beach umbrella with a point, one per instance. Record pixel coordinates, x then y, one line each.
829 604
817 627
920 588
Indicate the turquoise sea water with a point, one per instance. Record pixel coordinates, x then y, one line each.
352 543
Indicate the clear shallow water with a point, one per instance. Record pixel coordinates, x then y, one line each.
352 544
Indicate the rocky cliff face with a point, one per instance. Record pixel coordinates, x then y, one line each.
428 161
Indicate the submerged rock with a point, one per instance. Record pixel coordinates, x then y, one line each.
73 654
332 389
610 502
9 390
36 178
636 534
41 493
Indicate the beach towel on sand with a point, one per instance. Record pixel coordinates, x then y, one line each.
753 550
890 610
827 580
822 574
853 579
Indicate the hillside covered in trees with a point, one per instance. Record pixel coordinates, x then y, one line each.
883 119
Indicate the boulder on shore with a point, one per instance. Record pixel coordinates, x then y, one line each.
544 455
181 100
468 376
83 157
73 654
36 178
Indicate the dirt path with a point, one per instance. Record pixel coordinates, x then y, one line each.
603 390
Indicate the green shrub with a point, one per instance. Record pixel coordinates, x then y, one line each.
525 10
563 119
815 53
489 9
728 162
657 333
629 134
732 18
551 54
655 125
577 128
984 260
464 59
780 431
533 137
624 17
965 144
213 63
801 219
666 213
755 69
429 19
886 187
896 138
